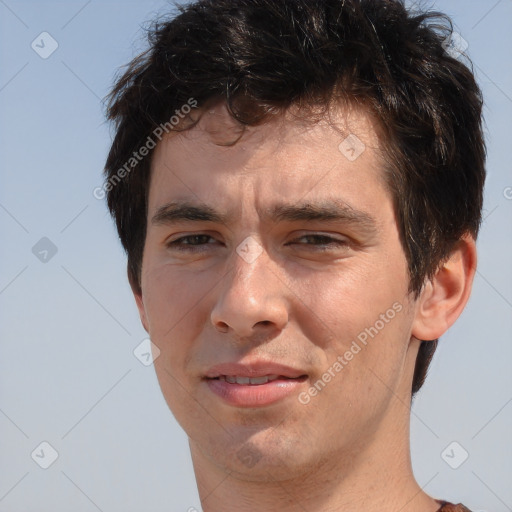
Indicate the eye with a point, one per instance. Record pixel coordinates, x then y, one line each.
191 242
322 242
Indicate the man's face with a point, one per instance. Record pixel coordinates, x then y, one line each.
303 268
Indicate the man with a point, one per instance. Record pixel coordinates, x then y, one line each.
298 186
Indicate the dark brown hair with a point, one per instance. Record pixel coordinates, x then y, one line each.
263 56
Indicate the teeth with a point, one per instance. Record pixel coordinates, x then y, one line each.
259 380
234 379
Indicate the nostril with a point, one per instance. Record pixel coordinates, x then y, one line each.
222 327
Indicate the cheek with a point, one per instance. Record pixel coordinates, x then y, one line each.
175 307
365 314
344 301
173 301
362 371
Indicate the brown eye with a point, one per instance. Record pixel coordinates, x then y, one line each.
321 241
190 242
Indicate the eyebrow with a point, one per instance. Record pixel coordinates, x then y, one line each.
186 211
324 211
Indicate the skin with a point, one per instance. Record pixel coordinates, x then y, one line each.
301 302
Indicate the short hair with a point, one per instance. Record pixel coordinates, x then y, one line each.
262 57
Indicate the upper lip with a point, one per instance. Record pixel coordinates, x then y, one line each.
253 369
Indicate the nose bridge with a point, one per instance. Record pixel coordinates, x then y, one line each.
250 297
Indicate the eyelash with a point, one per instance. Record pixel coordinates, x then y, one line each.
180 245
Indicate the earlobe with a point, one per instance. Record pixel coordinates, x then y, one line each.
137 293
444 297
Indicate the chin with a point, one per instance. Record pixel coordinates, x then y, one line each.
264 456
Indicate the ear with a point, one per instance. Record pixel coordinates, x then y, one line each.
137 293
443 298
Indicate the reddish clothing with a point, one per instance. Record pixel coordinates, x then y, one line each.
450 507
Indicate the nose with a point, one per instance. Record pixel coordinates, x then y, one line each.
252 300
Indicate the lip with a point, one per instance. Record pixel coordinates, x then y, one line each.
254 395
254 369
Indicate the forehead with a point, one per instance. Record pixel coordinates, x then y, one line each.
288 156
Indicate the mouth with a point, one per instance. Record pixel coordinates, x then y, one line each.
245 372
256 381
256 384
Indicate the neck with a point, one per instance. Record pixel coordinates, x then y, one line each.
375 476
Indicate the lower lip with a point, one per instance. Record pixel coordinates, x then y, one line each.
259 395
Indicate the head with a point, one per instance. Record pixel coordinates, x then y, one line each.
267 96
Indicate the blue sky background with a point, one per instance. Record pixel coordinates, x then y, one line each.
68 326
